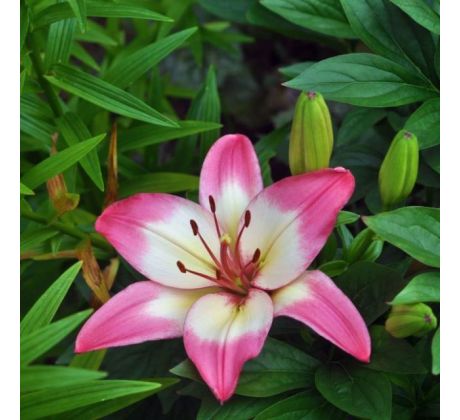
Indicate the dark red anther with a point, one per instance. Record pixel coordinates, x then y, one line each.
212 204
247 218
181 267
194 226
256 256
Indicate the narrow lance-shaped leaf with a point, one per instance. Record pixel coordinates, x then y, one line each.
25 190
56 401
84 56
105 95
79 9
97 8
40 341
75 131
134 65
47 305
59 162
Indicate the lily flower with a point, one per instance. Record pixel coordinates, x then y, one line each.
219 271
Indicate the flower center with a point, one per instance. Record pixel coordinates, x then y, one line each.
230 270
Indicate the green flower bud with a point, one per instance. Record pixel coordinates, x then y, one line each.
399 169
405 320
311 139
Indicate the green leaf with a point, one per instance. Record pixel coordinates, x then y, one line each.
370 286
31 239
295 69
306 405
56 401
75 131
334 268
96 34
425 123
393 355
40 341
415 230
279 368
324 16
146 135
165 182
25 190
84 56
358 391
97 8
59 162
34 378
422 288
37 128
346 218
59 42
363 80
43 311
357 122
79 9
436 353
422 13
24 22
105 95
389 32
90 360
126 71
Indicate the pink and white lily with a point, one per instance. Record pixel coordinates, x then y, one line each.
219 272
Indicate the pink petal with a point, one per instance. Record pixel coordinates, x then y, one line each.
231 175
152 232
291 221
315 300
222 331
143 311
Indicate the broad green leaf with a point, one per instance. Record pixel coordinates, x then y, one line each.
126 71
387 31
84 56
364 80
324 16
370 287
43 311
279 368
393 355
295 69
105 95
31 239
146 135
357 122
99 8
59 162
424 287
422 13
165 182
228 10
59 42
56 401
25 190
75 131
40 341
38 377
436 352
306 405
346 218
79 9
415 230
358 391
425 123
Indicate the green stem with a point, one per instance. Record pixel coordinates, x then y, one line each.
40 70
67 229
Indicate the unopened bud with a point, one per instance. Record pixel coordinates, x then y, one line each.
364 247
405 320
399 169
311 139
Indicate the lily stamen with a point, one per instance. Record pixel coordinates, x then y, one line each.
212 206
196 232
185 270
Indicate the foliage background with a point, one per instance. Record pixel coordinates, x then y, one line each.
169 77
